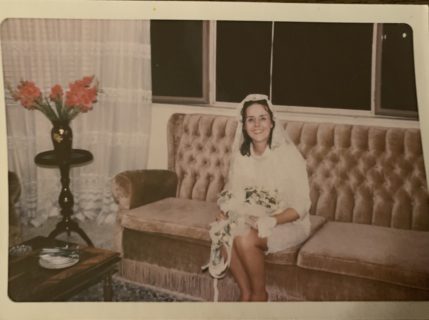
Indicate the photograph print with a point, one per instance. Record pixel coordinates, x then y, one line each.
201 160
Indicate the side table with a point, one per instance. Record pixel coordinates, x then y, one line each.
49 158
29 282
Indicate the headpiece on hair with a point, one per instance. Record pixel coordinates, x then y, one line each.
279 135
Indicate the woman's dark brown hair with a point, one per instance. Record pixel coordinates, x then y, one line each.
245 146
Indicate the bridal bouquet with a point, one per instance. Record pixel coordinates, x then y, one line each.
261 197
58 106
257 202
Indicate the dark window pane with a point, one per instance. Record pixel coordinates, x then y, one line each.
322 65
398 86
242 59
177 48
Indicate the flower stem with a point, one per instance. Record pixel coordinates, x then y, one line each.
58 106
47 110
74 113
65 112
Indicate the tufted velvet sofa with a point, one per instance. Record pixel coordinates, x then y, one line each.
369 214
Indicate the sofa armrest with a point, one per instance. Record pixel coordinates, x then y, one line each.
135 188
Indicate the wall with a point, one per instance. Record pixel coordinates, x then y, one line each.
162 112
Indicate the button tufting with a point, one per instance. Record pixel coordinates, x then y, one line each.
358 166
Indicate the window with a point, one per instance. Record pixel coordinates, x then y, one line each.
178 61
397 86
361 68
243 54
324 65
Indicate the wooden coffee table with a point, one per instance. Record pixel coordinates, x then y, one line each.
28 281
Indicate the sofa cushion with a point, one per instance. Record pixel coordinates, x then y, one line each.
289 256
178 217
379 253
173 216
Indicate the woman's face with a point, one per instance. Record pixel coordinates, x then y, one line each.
258 123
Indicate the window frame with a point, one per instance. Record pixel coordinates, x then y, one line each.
378 109
209 83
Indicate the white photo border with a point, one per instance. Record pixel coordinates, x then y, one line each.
414 15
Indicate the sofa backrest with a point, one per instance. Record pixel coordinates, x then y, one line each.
359 174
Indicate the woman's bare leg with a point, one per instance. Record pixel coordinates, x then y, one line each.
250 250
239 274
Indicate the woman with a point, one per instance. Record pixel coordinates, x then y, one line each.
264 206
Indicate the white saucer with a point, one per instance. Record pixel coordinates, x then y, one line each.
64 263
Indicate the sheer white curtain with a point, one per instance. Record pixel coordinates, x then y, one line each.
116 131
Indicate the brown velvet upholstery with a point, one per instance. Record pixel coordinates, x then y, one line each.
369 175
315 285
202 157
136 188
378 253
166 217
369 183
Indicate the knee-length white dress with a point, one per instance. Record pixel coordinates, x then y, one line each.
279 175
262 186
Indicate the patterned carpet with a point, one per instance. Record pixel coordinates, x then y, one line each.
127 291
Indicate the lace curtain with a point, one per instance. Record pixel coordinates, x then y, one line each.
116 131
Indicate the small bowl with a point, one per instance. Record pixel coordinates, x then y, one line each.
20 250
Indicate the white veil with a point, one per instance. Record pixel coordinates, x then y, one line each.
221 232
279 135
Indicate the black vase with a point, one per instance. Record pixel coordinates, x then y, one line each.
62 139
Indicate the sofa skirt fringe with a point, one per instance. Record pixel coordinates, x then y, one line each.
198 285
278 294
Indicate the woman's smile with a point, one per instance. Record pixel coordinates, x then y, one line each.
258 124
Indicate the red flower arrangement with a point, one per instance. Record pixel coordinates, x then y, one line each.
80 97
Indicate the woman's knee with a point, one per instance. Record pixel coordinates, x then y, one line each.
248 240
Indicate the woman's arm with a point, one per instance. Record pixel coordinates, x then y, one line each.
294 188
288 215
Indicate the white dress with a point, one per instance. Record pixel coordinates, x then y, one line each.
282 173
261 186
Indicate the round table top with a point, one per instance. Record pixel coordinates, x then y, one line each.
48 158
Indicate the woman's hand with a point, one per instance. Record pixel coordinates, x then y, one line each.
221 216
252 221
263 225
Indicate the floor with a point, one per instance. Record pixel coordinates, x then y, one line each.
125 290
